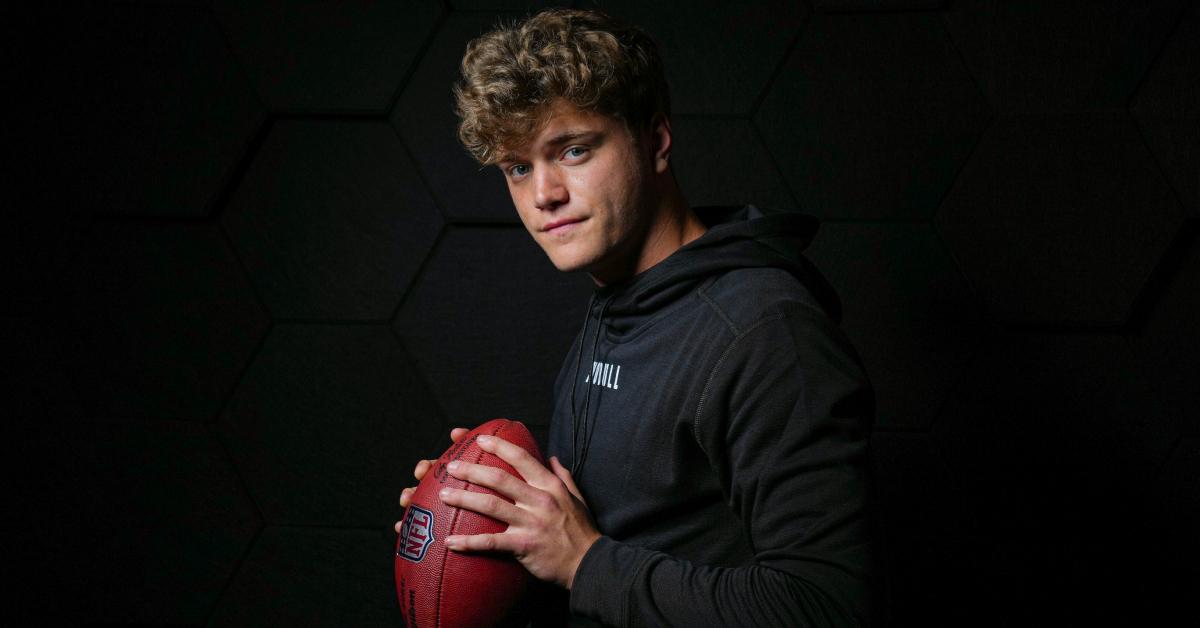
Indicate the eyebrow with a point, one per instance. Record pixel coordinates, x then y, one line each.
558 140
567 136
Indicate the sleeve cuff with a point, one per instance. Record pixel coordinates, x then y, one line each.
602 581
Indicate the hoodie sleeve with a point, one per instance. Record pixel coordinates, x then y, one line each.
784 420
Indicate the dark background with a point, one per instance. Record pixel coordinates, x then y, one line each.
251 279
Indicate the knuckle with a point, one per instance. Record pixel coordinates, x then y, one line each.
545 500
491 503
514 486
519 456
491 475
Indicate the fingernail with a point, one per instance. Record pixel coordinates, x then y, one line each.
444 493
453 466
484 440
452 542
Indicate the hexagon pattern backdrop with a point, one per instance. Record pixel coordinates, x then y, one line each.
252 279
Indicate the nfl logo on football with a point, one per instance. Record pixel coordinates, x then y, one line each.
416 535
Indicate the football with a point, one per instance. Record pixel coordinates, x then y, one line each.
441 588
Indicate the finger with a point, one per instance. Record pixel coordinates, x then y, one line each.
565 475
482 543
533 471
457 433
422 468
399 524
406 496
484 504
496 479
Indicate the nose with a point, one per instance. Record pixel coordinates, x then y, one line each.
549 191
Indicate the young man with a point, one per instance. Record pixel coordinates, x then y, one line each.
709 457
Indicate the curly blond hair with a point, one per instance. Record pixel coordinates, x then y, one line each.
512 74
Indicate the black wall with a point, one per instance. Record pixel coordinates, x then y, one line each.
251 279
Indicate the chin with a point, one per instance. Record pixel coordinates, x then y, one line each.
568 263
568 266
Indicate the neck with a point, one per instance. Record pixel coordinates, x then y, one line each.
672 225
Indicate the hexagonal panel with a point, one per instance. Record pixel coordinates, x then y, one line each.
331 220
1052 573
1054 439
1032 56
36 246
715 79
1049 430
31 349
160 321
137 522
161 111
1168 107
327 56
425 117
834 6
872 116
1175 511
1060 220
926 535
504 5
722 162
328 423
908 311
40 478
490 323
1168 346
46 207
314 577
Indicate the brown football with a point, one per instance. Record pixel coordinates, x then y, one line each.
441 588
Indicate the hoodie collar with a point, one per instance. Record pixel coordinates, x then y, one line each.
737 237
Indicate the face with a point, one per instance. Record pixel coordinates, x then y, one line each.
583 189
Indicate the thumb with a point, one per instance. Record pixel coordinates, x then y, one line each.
565 476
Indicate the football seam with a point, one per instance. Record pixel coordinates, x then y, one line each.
437 621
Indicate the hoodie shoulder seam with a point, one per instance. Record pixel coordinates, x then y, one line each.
702 291
809 303
708 382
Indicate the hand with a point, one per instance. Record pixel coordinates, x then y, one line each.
549 526
421 469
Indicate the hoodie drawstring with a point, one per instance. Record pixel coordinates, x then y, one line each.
579 424
587 316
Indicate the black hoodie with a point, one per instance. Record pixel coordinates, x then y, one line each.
718 432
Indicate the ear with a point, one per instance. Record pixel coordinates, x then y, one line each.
661 142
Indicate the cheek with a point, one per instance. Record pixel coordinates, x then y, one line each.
628 196
605 189
578 186
521 204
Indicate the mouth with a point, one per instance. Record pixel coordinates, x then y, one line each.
561 226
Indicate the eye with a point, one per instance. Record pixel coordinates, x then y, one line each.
576 151
518 170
